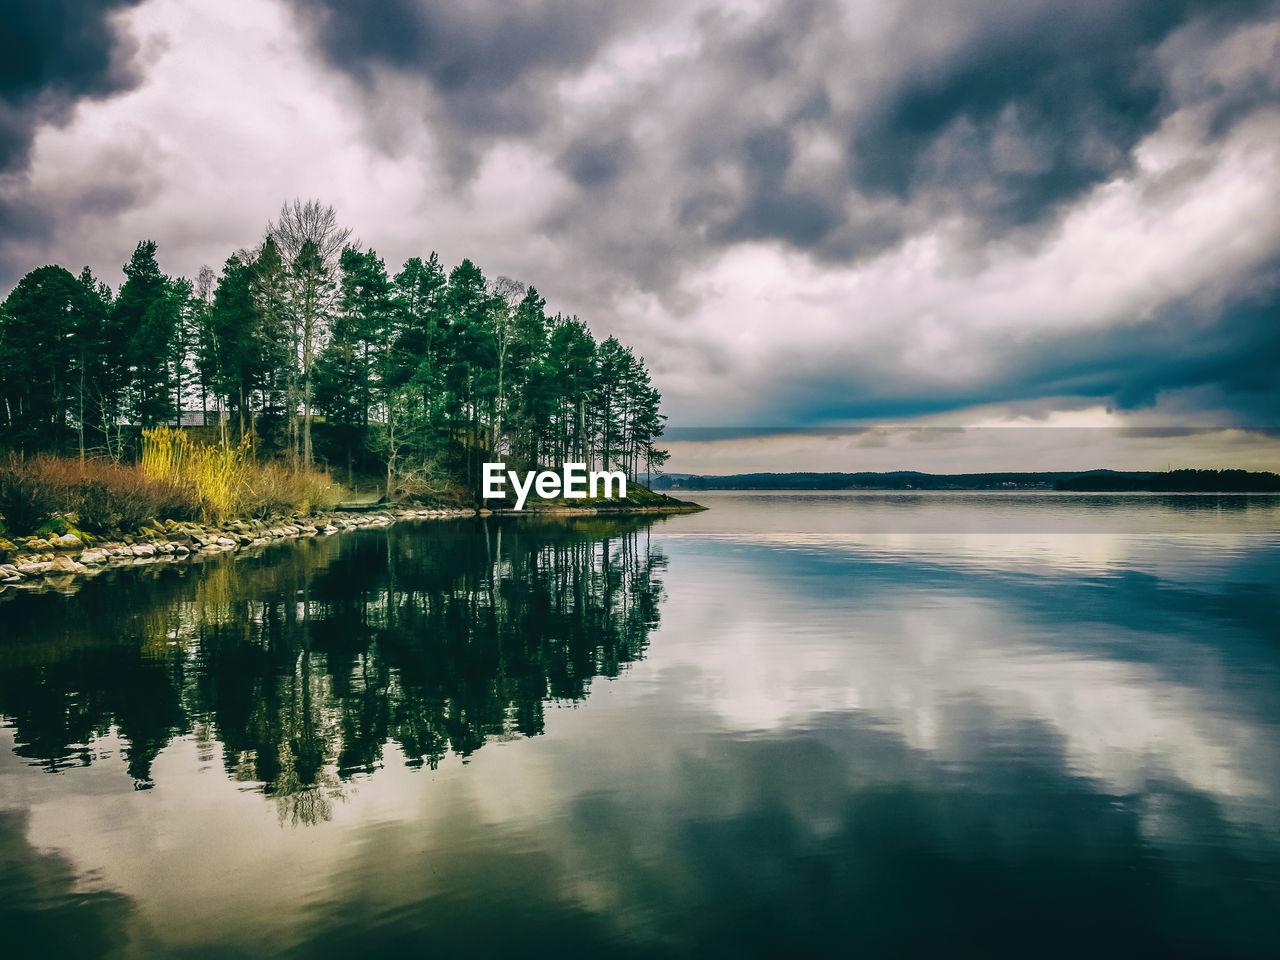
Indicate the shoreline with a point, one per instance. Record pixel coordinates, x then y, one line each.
60 562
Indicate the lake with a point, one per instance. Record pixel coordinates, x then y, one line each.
797 724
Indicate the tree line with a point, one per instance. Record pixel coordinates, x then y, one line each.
307 347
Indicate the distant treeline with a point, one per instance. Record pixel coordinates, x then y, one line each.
1176 481
422 372
1224 481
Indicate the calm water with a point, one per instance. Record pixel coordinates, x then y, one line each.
794 725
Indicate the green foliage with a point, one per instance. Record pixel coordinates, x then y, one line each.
145 319
423 375
55 526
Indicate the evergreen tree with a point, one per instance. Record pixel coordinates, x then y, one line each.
39 327
145 318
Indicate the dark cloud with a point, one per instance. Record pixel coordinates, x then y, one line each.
1227 349
1001 114
1038 104
594 164
53 54
489 67
635 149
35 224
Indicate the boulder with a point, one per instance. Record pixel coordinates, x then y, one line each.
143 550
68 542
93 556
65 564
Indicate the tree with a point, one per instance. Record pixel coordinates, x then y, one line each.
145 316
357 360
270 288
39 327
506 294
99 369
427 370
310 242
230 349
469 355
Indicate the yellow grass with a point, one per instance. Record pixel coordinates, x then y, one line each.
225 482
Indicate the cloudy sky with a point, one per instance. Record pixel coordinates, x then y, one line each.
802 213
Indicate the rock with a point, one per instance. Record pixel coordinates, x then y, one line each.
36 545
330 529
168 548
143 550
225 542
93 556
65 564
181 549
68 542
33 569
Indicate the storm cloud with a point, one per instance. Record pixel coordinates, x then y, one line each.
52 55
804 212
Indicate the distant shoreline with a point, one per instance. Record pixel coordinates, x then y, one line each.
1090 481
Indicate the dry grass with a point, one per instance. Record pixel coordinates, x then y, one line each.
224 481
103 496
175 479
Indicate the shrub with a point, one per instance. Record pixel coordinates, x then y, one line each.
177 479
214 477
276 488
316 492
103 506
30 493
222 481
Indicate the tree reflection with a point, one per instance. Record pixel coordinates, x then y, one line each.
305 661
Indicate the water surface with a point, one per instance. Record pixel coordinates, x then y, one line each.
796 724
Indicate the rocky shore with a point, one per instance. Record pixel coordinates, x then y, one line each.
59 561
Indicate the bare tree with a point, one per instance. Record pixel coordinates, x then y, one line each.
310 242
300 222
507 293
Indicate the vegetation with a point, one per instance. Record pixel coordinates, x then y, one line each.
305 349
175 479
1175 481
